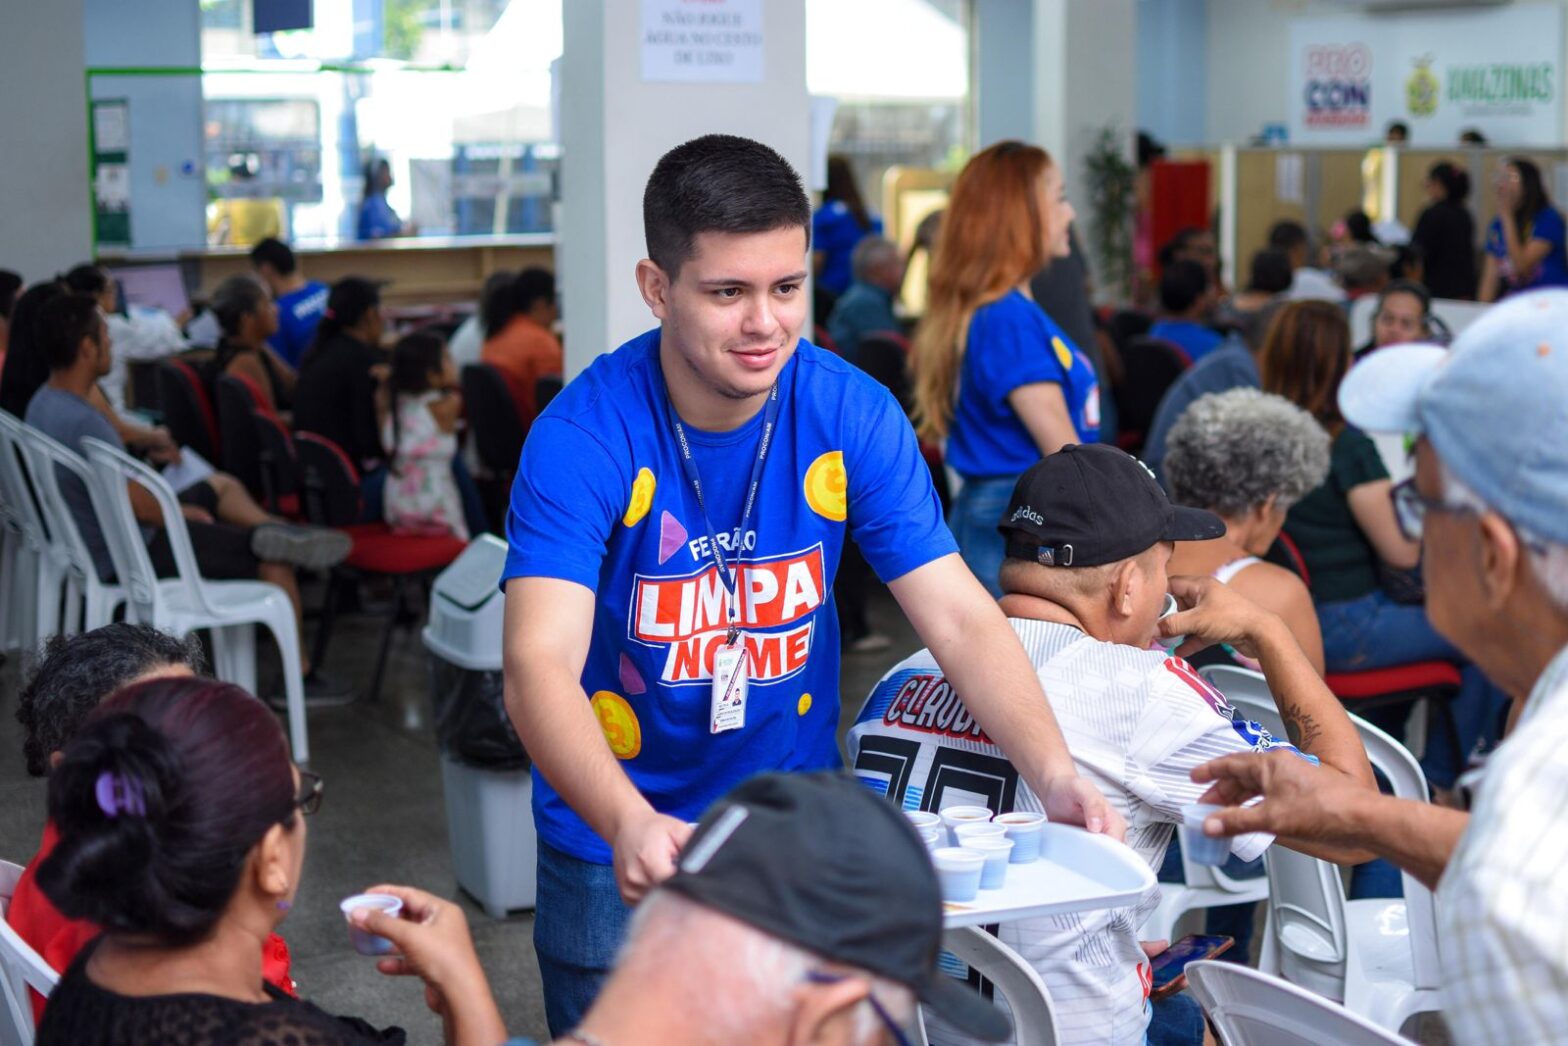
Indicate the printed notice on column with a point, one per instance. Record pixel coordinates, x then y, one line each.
702 41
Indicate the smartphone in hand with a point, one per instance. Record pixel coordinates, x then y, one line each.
1170 966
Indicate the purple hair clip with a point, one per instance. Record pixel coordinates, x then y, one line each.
119 794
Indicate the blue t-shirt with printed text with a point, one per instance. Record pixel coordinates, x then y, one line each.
1012 343
1553 269
299 311
601 499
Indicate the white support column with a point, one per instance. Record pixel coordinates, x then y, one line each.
614 128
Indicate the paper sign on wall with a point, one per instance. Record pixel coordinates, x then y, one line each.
702 41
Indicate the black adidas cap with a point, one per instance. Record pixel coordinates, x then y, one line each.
819 861
1089 504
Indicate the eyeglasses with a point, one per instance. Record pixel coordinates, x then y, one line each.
1411 508
311 788
893 1028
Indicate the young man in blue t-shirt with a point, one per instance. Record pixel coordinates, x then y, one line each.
1187 298
300 302
677 519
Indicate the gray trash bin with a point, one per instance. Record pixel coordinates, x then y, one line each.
484 770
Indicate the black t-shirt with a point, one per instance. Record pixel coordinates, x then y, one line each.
335 397
1340 560
79 1012
1445 233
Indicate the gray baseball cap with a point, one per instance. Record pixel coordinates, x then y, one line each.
1494 406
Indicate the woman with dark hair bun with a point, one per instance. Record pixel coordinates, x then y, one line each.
1445 234
182 834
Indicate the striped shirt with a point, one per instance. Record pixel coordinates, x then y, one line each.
1503 900
1136 722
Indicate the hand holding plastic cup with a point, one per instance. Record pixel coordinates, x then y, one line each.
1200 848
1026 830
365 942
1171 607
958 871
996 850
953 816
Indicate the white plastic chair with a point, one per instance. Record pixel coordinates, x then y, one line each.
188 602
21 969
35 596
1250 1008
47 459
1380 955
1034 1022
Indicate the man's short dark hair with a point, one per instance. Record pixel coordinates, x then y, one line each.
1398 127
718 183
87 278
275 253
1270 271
1287 236
533 285
1181 285
63 324
78 672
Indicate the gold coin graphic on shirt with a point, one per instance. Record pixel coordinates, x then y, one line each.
642 498
1064 355
827 486
803 705
619 724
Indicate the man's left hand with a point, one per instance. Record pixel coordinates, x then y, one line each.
1070 799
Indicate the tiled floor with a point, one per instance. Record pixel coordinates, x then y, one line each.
384 819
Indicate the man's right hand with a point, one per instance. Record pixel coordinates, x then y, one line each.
1209 612
1300 801
645 850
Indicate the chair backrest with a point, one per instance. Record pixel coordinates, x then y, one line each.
237 433
187 411
114 470
885 356
1151 366
492 413
1249 1008
21 968
52 466
16 489
278 459
545 390
329 483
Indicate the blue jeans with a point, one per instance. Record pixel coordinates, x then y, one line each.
976 512
579 922
1376 632
1177 1020
1226 920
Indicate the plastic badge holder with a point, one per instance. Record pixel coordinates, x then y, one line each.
958 870
1077 872
365 942
1201 848
997 849
1024 829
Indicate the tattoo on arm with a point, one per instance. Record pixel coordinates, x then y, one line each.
1301 727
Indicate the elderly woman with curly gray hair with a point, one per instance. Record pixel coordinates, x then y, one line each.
1247 457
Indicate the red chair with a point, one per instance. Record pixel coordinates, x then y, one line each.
1433 681
330 487
187 409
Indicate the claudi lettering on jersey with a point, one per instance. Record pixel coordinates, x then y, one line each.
929 703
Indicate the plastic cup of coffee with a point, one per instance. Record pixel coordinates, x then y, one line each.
953 816
923 819
1171 607
1200 848
958 871
933 836
365 942
1026 830
976 829
997 849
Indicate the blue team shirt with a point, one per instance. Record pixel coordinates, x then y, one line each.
835 232
1553 270
1012 342
1196 340
377 219
601 499
298 314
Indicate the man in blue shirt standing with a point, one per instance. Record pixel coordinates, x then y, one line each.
1187 299
677 519
867 307
300 301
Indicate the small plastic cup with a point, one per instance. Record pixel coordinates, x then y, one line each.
933 836
976 829
923 819
997 849
958 871
953 816
365 942
1026 830
1171 607
1200 848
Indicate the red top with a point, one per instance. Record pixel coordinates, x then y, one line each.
38 922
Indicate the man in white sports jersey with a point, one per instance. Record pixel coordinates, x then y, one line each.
1089 532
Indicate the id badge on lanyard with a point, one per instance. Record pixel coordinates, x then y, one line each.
732 661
